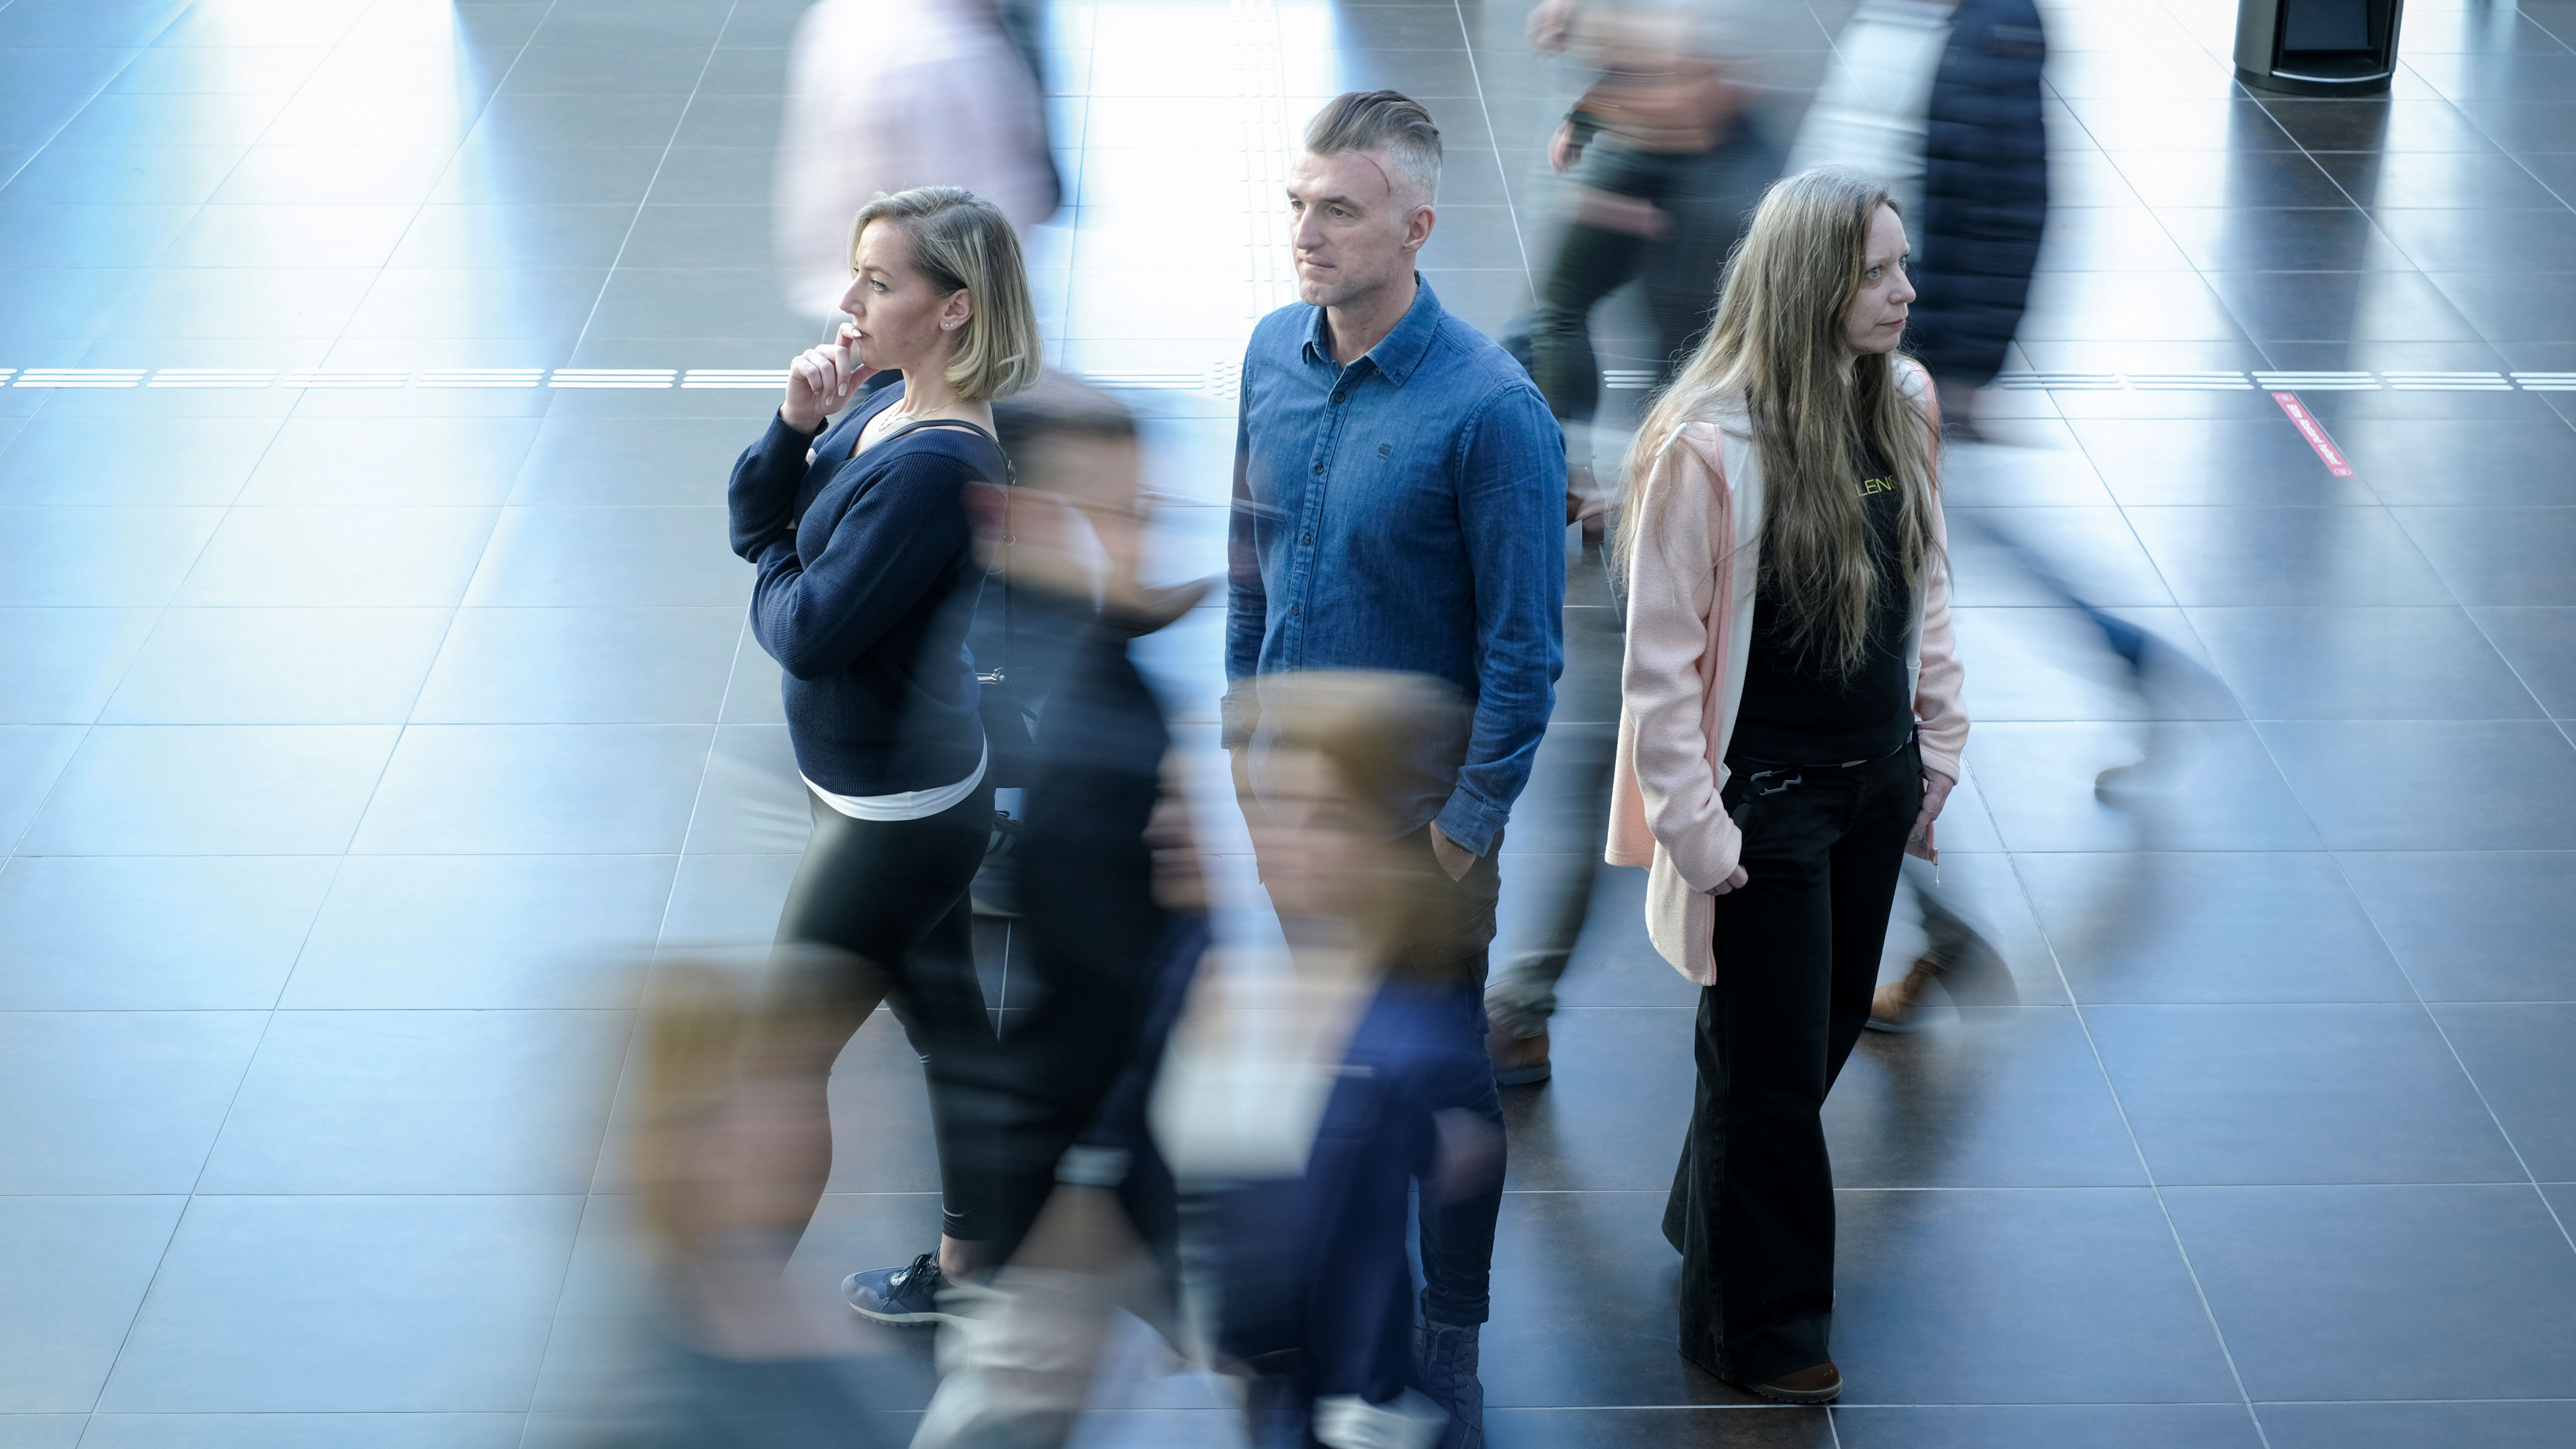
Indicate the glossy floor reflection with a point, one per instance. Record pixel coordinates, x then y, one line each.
375 697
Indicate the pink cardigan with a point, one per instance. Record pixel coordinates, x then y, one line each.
1690 623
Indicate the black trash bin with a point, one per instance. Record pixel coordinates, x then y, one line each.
2317 47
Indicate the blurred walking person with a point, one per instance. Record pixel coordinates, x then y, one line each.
1792 727
1941 102
887 95
1301 1106
1397 506
1086 1219
867 574
1666 159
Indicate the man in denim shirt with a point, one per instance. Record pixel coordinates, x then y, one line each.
1399 505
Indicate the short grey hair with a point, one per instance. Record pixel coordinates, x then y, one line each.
1388 122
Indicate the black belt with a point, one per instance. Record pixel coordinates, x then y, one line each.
1781 777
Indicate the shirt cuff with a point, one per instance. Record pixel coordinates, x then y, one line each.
1238 714
1470 823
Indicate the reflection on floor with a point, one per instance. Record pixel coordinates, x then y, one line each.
375 685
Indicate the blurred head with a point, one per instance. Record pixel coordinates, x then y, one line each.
1360 196
936 283
1806 341
706 1146
1333 755
1075 519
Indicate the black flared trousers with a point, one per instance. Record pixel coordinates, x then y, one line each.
1797 948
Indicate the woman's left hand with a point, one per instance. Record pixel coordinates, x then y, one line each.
1936 793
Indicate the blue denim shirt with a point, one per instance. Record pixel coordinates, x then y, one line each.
1405 513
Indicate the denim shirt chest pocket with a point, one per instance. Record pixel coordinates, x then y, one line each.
1390 481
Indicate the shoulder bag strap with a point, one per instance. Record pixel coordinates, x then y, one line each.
999 675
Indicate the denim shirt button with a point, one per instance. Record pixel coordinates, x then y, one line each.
1319 469
1337 399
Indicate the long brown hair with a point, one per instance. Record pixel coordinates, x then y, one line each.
1820 412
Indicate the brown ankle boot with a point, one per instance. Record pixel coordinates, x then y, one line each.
1898 1005
1518 1060
1820 1384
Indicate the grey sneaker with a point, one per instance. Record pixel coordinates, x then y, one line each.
1446 1353
909 1294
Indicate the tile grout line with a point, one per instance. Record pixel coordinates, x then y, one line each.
2271 756
250 1063
39 148
2471 121
19 839
636 1015
2129 523
2182 1250
2530 1178
2457 603
677 126
1494 141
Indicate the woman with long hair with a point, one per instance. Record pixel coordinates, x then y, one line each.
867 575
1790 728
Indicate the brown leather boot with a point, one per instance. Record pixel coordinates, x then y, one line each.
1518 1060
1821 1384
1898 1005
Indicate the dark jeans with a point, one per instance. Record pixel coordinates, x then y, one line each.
1705 197
892 894
1752 1205
1457 1237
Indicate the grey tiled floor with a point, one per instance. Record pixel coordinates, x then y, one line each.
358 745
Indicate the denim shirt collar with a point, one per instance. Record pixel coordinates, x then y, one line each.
1399 352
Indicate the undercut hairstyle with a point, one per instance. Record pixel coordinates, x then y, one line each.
1390 124
961 242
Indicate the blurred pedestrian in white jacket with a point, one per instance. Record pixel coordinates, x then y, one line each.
887 95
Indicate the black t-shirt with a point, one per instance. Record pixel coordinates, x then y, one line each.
1796 709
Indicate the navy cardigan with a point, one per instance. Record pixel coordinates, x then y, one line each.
1985 191
867 579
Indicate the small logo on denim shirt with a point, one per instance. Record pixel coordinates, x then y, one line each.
1385 448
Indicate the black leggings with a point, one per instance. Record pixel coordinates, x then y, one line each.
892 894
1797 945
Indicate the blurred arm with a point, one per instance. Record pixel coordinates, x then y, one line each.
1247 604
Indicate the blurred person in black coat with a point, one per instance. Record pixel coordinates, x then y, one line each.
1985 199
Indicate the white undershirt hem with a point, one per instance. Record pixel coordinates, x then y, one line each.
906 804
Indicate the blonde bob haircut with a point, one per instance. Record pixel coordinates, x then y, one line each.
961 242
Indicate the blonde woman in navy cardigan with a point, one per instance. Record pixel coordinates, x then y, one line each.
867 576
